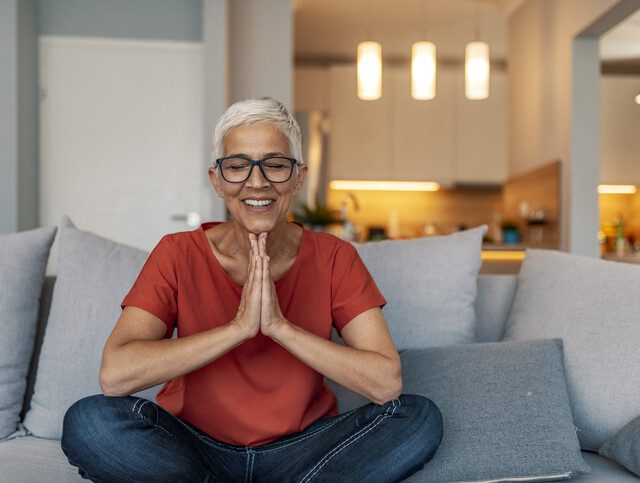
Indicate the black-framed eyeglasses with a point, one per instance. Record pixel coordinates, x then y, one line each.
237 169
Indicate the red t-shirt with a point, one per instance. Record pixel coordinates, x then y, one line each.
258 391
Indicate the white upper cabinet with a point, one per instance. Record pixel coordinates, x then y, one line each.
620 128
448 139
421 130
480 132
360 144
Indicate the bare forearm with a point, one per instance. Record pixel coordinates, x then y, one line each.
140 364
368 373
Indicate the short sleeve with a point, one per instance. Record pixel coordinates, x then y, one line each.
353 289
156 288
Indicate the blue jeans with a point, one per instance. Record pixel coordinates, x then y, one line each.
125 439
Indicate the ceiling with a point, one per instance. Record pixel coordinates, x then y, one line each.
327 30
622 43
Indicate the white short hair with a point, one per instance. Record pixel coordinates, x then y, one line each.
254 110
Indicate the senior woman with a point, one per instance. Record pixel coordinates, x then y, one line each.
254 300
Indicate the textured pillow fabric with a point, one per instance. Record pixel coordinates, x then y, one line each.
594 307
430 285
624 447
505 408
94 275
23 259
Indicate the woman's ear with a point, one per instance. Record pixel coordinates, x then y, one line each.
302 173
215 182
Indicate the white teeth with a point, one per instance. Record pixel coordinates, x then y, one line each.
258 202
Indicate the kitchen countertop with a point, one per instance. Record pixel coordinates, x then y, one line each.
633 257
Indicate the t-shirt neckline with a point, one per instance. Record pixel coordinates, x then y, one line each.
210 255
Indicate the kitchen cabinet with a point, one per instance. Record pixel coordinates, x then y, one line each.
311 89
448 139
480 132
360 142
422 130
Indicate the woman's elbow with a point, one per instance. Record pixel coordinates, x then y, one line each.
391 386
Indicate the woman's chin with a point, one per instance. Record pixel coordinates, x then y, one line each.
258 226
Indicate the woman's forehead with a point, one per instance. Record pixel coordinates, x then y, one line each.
257 136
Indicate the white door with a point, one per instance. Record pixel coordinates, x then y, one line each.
121 138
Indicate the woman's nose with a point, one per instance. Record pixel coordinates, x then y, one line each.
256 179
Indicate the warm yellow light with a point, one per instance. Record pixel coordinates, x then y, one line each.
423 70
638 99
617 189
384 185
503 255
369 70
476 70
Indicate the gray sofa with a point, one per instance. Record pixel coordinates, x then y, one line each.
31 459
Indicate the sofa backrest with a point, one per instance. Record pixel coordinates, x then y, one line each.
493 304
495 296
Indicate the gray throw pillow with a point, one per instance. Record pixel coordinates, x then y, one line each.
505 408
430 285
94 275
624 447
23 259
594 307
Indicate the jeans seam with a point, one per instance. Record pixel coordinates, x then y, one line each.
253 459
354 437
133 409
297 439
156 425
208 440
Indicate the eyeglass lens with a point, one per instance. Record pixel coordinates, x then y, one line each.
275 169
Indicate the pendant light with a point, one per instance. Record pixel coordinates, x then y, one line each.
476 64
369 66
423 64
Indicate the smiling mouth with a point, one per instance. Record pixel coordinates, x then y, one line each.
257 203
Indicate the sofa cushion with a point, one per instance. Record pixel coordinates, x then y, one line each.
23 259
430 285
505 408
29 459
94 275
624 447
493 303
594 307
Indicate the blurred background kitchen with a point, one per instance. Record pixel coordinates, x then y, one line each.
520 114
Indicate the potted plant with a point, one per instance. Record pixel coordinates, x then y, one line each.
510 232
317 217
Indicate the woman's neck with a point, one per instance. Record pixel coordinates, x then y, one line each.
281 241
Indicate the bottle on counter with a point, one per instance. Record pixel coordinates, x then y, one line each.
621 241
393 225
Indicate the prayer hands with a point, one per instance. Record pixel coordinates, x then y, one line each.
259 310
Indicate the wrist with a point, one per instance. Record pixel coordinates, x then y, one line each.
282 331
239 332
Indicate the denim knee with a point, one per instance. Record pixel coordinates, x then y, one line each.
425 420
91 413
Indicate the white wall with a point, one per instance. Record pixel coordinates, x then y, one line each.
261 50
541 80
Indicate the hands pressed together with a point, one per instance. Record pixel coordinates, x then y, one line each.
259 310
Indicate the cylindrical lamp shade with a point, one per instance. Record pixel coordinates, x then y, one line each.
638 99
476 70
369 71
423 70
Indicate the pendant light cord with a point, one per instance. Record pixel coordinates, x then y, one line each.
424 19
369 31
478 30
